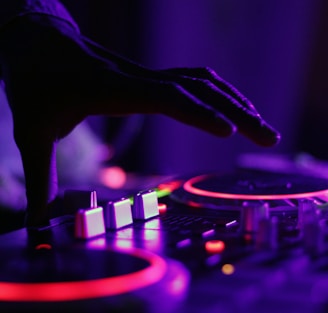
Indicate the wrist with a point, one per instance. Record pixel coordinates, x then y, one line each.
11 10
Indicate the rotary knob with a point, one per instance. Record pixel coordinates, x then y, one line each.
251 215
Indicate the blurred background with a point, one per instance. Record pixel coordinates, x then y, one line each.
274 51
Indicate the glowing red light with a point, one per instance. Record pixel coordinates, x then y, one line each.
162 208
170 186
43 246
214 246
189 186
88 289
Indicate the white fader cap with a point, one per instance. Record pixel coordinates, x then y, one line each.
89 222
118 214
145 205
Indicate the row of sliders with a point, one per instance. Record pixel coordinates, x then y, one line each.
93 221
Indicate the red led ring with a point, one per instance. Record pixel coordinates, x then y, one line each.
189 187
88 289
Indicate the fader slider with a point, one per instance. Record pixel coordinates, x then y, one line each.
89 222
118 214
145 205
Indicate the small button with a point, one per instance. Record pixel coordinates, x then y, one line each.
162 208
214 246
183 243
208 233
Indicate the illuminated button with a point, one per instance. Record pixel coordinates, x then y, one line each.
44 246
214 246
208 233
183 243
90 222
232 223
162 208
145 205
118 214
228 269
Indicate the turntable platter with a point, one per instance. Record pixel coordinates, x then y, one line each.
50 278
216 190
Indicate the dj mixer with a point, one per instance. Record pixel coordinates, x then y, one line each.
248 241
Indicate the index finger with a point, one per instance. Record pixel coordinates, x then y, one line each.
248 121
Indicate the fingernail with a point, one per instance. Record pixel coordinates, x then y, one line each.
272 136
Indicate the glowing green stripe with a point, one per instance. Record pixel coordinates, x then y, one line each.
159 192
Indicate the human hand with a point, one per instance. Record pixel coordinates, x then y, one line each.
55 78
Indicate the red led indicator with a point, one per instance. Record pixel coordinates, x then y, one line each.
214 246
162 208
45 246
170 186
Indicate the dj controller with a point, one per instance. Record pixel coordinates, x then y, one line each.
248 241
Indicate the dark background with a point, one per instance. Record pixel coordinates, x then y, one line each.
274 51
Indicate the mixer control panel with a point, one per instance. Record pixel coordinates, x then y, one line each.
244 242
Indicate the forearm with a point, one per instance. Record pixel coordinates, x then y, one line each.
11 9
39 161
27 31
